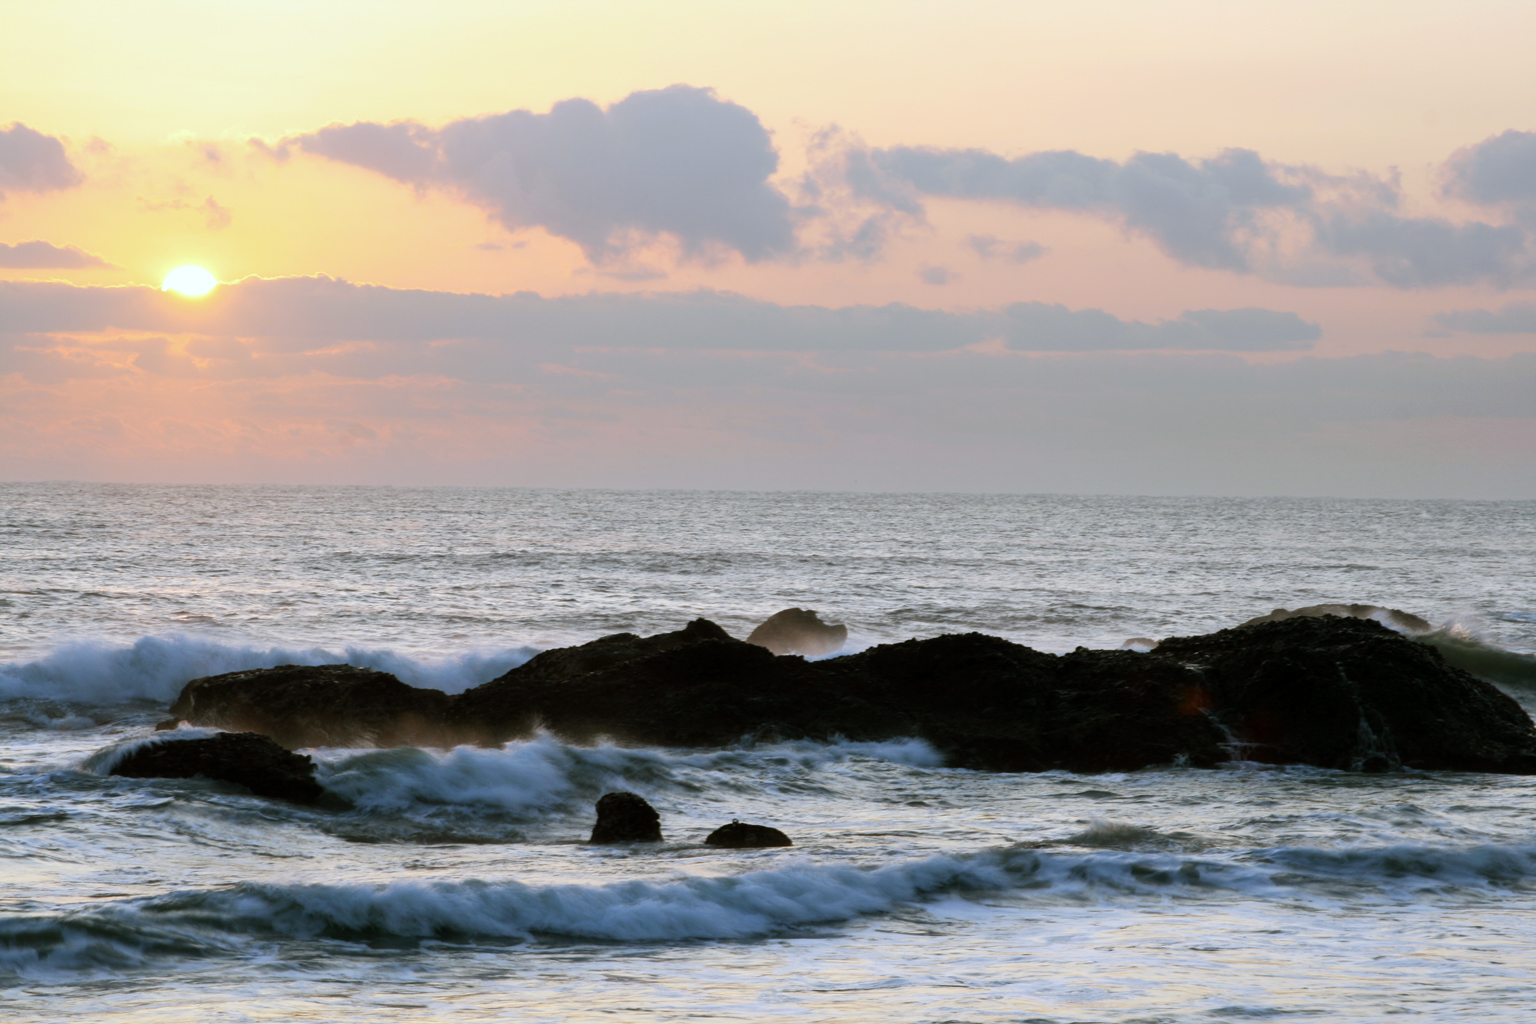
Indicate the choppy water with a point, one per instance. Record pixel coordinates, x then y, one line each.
456 887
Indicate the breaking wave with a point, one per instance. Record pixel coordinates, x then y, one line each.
156 668
752 904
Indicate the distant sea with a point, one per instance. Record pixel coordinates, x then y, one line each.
458 886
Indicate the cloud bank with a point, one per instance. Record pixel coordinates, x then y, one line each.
303 313
39 255
679 162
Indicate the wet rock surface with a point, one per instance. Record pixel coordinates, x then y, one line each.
739 835
625 818
1325 690
244 758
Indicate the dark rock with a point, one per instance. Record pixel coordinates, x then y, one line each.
799 631
739 835
695 687
1350 693
625 818
317 706
244 758
1333 691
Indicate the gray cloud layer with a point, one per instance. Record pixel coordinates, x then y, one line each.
302 312
678 161
44 255
33 162
1516 318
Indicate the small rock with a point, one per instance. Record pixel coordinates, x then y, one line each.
739 835
799 631
626 818
244 758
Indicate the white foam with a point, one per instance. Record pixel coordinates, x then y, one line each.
156 668
530 778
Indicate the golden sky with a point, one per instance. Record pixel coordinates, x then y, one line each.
1339 181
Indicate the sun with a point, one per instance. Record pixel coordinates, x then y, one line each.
192 281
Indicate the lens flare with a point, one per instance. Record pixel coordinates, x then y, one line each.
192 281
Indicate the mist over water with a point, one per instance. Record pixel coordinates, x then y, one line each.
455 884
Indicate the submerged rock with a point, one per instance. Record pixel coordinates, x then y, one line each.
316 706
625 818
244 758
799 631
739 835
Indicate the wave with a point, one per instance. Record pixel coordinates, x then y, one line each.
155 668
532 778
752 904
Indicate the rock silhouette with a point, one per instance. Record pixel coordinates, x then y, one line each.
799 631
1339 692
739 835
625 818
244 758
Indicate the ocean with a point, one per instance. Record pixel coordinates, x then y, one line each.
456 885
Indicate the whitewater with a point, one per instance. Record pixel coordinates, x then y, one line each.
456 885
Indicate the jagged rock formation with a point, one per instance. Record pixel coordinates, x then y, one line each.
739 835
625 818
1330 691
244 758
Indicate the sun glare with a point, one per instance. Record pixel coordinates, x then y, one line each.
189 281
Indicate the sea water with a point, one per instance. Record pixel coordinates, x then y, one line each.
455 885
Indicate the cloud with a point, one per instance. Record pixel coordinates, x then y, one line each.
215 216
1500 169
679 162
1197 212
935 275
1234 211
306 314
1429 252
33 162
990 247
1516 318
43 255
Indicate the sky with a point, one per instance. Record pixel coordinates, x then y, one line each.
1132 247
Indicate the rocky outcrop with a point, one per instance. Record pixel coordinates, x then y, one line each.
739 835
244 758
1349 693
799 631
1325 690
317 706
625 818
